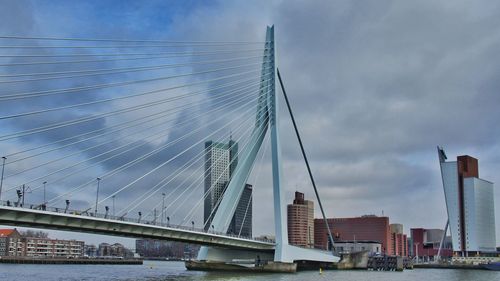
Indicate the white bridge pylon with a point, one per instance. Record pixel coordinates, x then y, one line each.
267 118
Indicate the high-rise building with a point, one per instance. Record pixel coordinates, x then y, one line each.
301 221
241 223
220 162
365 228
470 205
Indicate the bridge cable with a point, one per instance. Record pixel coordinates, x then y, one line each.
200 177
113 71
219 118
257 176
131 54
188 55
113 126
89 148
112 172
305 158
159 166
39 178
125 40
79 120
118 98
110 85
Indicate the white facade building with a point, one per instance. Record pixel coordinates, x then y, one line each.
450 185
470 205
479 215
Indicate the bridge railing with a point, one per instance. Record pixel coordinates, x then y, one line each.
91 214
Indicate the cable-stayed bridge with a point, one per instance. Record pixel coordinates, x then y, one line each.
109 136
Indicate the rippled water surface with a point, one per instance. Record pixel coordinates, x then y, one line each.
156 271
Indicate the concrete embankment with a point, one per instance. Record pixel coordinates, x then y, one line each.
24 260
449 266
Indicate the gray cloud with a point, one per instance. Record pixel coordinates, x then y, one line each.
375 86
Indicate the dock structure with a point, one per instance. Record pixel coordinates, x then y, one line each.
389 263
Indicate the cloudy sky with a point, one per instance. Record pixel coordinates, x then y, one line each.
375 86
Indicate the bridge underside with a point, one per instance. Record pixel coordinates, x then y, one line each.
79 223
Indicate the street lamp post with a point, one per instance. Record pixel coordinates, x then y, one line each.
113 205
416 251
97 196
1 180
163 208
44 198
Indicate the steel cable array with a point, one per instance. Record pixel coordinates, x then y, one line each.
121 117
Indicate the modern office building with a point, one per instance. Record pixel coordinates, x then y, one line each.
469 204
365 228
220 161
241 223
301 221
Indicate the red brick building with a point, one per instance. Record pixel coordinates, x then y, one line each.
368 228
425 243
399 241
10 243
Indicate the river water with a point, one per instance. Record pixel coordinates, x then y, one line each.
173 271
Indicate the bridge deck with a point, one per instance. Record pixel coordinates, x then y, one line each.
18 216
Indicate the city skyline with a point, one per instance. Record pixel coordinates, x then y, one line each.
372 99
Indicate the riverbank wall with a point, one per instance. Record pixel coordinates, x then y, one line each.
25 260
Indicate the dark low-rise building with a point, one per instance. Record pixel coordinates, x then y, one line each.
366 228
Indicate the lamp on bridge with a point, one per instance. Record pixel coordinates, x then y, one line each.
163 207
168 221
140 215
19 196
97 196
192 223
1 180
67 206
107 211
113 204
44 198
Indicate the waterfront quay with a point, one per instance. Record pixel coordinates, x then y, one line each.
32 260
